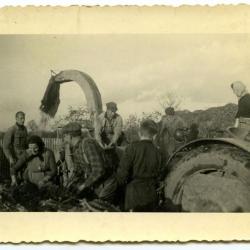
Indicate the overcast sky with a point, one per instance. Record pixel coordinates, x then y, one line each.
132 70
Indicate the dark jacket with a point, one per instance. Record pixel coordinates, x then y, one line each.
139 170
244 107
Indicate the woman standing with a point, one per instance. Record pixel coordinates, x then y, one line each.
243 114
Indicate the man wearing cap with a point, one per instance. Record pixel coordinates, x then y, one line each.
109 127
90 171
108 131
140 169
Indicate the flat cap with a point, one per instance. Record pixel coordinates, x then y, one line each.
112 106
72 128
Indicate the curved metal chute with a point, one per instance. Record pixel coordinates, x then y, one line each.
89 87
51 100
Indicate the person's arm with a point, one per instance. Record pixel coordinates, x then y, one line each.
117 129
50 168
125 166
98 128
95 161
238 114
7 141
236 124
51 165
162 166
26 137
20 164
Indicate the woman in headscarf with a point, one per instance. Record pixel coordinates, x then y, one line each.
38 162
243 114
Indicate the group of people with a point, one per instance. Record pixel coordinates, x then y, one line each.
129 179
98 170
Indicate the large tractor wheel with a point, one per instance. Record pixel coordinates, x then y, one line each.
210 177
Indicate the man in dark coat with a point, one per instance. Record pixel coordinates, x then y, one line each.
140 169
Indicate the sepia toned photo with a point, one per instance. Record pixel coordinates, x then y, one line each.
125 123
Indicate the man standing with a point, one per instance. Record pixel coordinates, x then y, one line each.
140 169
15 139
109 133
169 124
109 127
90 171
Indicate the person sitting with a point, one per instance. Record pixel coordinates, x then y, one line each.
90 172
38 162
139 170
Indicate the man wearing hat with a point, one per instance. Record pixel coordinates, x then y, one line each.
109 127
140 169
90 171
109 131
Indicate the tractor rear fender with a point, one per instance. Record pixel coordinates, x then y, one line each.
227 156
245 146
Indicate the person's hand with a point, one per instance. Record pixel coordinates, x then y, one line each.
29 151
42 167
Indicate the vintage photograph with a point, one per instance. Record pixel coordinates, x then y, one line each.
125 123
